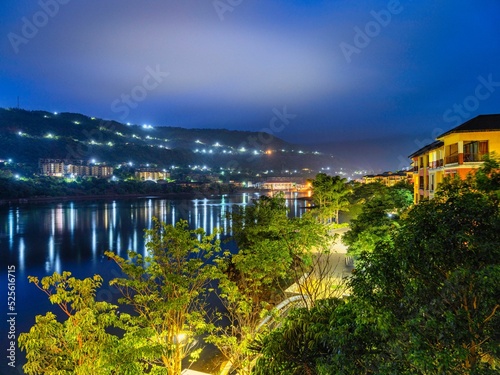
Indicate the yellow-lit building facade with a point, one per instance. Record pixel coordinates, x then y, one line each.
456 152
388 178
151 174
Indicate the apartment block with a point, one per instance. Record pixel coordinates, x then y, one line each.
74 168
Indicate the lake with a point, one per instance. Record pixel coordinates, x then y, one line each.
40 239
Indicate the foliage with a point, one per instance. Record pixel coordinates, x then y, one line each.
166 290
381 209
424 302
76 136
330 194
326 339
274 251
165 293
439 285
81 344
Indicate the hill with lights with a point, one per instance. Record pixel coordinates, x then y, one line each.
26 136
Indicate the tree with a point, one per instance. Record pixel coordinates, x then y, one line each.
326 339
362 193
437 285
166 290
425 302
274 251
81 344
380 213
330 194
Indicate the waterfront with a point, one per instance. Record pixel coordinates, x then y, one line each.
72 236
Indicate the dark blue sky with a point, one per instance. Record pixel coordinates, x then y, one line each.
380 72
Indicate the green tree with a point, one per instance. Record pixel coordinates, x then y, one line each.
437 285
80 344
424 302
330 194
326 339
362 193
274 251
380 213
167 290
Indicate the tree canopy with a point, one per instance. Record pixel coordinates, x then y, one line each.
330 194
426 301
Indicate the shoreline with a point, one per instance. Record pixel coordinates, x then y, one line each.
102 197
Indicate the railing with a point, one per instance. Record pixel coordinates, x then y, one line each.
436 164
452 159
469 157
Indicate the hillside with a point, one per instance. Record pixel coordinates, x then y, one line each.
26 136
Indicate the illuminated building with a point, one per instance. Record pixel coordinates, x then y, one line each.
457 152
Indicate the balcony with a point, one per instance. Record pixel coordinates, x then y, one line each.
436 164
452 159
469 157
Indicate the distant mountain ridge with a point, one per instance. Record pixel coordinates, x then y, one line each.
26 136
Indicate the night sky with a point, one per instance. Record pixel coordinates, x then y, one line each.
390 74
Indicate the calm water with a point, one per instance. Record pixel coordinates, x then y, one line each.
73 236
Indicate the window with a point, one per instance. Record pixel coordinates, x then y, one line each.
475 150
452 153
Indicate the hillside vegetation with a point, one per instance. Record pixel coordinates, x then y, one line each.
26 136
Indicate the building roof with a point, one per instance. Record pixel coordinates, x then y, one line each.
427 148
479 123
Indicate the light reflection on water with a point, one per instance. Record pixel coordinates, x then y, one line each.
73 236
